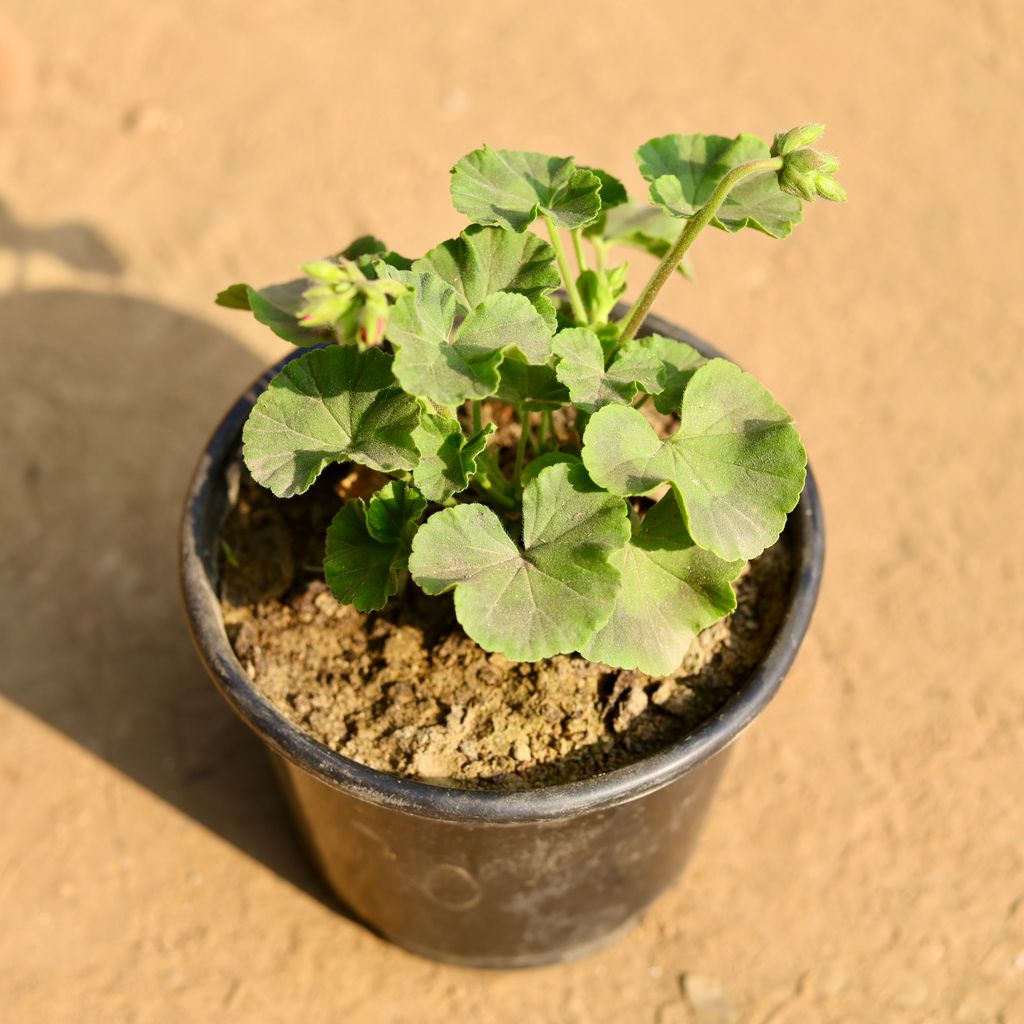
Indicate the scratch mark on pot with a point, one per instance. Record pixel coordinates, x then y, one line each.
452 887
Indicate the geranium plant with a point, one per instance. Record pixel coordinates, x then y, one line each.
552 543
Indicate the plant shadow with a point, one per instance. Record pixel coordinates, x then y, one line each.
108 402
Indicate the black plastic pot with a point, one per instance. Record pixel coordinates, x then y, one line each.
487 879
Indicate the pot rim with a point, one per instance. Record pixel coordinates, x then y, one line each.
565 800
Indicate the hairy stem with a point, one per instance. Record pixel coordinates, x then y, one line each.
567 279
524 433
577 245
477 419
693 227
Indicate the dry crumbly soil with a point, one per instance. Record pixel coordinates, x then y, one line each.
405 690
862 861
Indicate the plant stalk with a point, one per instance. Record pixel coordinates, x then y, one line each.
524 433
477 419
693 227
567 279
577 245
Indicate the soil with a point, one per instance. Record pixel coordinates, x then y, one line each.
405 690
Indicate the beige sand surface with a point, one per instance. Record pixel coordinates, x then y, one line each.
865 862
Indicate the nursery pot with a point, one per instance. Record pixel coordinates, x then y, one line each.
487 879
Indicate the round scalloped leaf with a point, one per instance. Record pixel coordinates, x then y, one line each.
581 369
276 307
684 169
366 546
485 260
448 372
670 590
545 597
447 456
532 387
330 405
679 362
510 189
736 463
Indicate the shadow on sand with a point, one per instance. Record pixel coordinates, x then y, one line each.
108 401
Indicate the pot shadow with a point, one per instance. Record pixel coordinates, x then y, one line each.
108 402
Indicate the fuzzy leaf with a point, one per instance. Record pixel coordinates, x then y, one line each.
679 362
544 598
670 590
736 463
613 192
364 245
581 369
684 169
275 307
641 227
447 456
485 260
510 189
533 387
235 296
533 467
430 365
393 511
366 546
600 290
331 405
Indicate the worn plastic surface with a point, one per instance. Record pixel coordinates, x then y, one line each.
487 879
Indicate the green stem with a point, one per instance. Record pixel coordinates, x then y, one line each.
567 278
486 489
477 419
548 418
524 433
692 228
542 432
577 245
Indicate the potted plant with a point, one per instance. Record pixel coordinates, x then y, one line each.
519 485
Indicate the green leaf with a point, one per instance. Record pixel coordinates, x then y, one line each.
367 546
447 456
533 387
547 459
544 598
364 245
511 189
235 296
613 192
581 369
485 260
448 372
679 362
275 307
393 512
644 228
332 405
671 590
600 290
684 169
736 463
283 323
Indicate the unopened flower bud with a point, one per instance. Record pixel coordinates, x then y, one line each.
806 173
795 138
829 188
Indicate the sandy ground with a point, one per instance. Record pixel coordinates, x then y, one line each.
866 859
